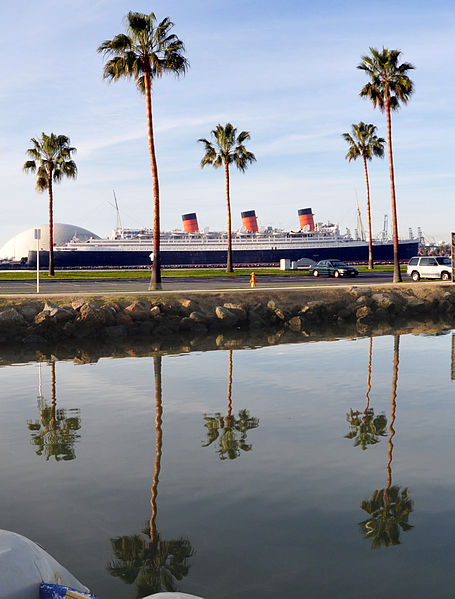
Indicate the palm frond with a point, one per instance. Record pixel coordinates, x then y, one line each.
51 153
145 48
29 166
363 142
389 82
227 148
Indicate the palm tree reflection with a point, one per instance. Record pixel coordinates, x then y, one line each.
152 565
55 433
146 560
389 509
229 433
366 428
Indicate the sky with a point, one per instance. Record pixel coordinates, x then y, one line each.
285 72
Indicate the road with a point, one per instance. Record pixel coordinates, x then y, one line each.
185 284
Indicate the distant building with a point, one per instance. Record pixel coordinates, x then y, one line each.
19 246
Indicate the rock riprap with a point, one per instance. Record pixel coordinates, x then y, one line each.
25 320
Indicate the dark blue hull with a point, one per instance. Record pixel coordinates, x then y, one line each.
109 259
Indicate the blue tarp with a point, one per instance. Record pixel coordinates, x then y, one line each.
55 591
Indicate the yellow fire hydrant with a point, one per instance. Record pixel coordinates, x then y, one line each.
253 280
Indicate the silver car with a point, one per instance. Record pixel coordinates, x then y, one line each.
430 267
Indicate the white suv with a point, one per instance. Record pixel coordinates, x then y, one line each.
430 267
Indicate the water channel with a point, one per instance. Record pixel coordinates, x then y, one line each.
318 469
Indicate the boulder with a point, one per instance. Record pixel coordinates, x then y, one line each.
137 311
188 305
95 316
360 291
384 302
59 314
416 306
29 311
77 304
198 317
155 311
11 318
314 311
42 318
124 319
238 310
226 316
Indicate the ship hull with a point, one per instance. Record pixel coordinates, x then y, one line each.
215 257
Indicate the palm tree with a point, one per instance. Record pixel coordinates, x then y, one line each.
55 434
389 508
389 86
51 160
227 148
364 143
146 52
229 433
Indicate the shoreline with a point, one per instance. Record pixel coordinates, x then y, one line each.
161 318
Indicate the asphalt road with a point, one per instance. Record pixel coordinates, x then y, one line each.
186 284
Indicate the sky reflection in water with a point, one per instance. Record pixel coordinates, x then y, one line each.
262 464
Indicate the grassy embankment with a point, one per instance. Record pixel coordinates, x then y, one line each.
27 275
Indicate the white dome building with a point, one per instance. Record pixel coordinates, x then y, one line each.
19 246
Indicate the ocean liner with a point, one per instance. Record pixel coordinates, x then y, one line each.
250 246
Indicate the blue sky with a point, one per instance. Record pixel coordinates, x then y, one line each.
283 71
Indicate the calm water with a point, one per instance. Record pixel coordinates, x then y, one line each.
260 486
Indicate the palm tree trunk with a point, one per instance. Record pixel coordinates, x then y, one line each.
396 256
370 237
51 225
229 232
155 280
159 443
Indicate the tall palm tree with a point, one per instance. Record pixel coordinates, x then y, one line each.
389 86
389 508
365 143
51 160
227 148
146 52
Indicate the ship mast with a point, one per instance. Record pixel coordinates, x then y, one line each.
119 220
359 216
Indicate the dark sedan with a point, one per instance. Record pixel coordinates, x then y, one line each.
333 268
